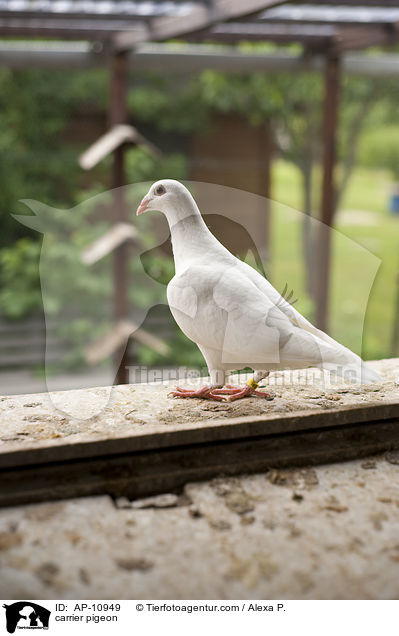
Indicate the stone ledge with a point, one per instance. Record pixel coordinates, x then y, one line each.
176 441
32 421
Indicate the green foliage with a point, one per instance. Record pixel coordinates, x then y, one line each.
37 162
169 103
19 278
380 148
373 102
186 104
159 268
35 159
366 192
142 166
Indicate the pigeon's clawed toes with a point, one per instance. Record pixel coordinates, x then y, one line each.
228 389
205 392
228 393
264 394
248 391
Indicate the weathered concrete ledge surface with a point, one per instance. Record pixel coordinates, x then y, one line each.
324 532
32 421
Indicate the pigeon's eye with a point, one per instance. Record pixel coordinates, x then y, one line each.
160 190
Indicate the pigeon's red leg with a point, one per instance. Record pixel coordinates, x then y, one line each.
205 392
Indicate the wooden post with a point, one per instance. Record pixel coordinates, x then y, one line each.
118 115
265 152
331 101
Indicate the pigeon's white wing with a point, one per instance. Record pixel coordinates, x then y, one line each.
256 325
220 309
334 352
294 316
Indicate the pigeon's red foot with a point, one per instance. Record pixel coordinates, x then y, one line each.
205 392
232 393
228 393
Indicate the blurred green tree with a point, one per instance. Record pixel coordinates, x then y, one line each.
37 162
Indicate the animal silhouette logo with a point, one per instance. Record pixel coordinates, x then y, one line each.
26 615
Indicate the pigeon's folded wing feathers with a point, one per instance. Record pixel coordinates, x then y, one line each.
221 309
337 354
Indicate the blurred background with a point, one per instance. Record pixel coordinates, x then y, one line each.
248 114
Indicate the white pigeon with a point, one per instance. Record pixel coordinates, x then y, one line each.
233 314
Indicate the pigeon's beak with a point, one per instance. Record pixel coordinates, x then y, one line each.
143 205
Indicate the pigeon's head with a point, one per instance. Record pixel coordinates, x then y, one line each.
164 195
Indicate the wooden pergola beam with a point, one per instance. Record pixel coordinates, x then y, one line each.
66 28
111 140
351 38
202 17
329 134
265 151
230 32
118 115
188 58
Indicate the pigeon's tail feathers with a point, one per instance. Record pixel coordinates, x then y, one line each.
370 375
355 372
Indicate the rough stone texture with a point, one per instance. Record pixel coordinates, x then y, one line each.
89 414
325 532
329 532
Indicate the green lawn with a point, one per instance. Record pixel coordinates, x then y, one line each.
367 239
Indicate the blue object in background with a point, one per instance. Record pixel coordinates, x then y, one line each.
394 204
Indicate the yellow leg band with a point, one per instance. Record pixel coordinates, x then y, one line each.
252 384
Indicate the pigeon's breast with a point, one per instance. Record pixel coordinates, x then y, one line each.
192 303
